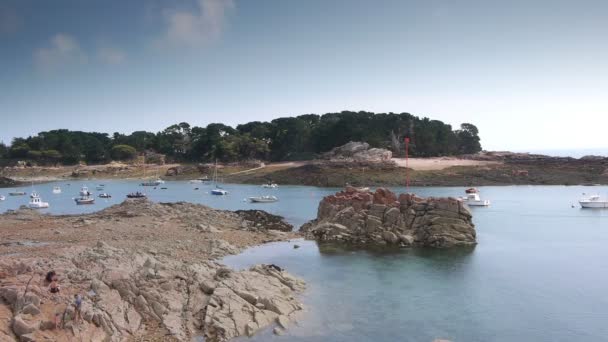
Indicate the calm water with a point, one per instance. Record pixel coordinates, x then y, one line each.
539 273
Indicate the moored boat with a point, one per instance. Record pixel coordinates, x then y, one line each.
56 190
156 182
473 199
270 185
136 194
17 193
263 199
219 191
84 191
594 201
471 191
36 202
2 198
85 200
105 195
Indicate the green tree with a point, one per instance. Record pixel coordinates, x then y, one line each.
123 152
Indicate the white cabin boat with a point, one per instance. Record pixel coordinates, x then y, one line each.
56 190
36 202
594 201
84 191
263 199
473 199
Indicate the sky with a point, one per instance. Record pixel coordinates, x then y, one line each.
530 74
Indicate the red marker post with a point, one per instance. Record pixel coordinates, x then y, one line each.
407 169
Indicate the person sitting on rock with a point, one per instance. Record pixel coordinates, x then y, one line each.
54 286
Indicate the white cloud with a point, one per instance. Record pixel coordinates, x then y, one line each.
111 55
196 28
62 50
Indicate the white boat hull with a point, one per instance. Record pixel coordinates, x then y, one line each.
593 204
2 198
40 205
263 199
480 203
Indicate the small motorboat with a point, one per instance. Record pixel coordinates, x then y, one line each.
219 192
56 190
85 200
471 191
36 202
105 195
263 199
136 194
17 193
163 188
594 201
84 191
270 185
473 199
2 198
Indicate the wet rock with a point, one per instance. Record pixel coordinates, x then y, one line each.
264 220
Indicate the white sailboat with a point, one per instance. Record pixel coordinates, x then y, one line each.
218 191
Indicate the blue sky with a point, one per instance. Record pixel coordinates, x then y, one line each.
529 74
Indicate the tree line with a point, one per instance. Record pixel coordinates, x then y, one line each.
288 138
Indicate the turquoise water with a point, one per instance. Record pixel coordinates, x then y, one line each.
539 273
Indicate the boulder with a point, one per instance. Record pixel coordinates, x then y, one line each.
20 327
405 220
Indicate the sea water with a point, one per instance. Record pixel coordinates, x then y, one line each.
539 272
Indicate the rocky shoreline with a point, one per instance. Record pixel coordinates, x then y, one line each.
145 271
360 217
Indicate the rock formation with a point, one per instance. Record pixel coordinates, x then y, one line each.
383 218
264 220
358 152
147 272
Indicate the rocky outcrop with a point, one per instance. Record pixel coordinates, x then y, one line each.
4 182
383 218
263 220
128 294
358 152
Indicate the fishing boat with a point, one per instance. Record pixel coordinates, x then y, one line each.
85 200
56 190
473 199
136 194
593 201
36 202
105 195
84 191
17 193
263 199
218 191
270 185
